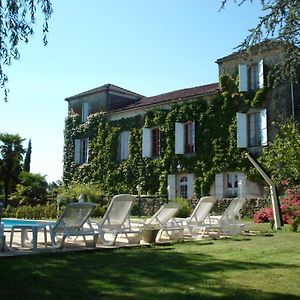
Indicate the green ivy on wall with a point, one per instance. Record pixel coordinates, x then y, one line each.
216 149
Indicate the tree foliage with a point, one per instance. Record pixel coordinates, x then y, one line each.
31 190
27 158
282 157
280 20
11 155
17 20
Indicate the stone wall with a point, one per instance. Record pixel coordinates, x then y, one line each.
149 205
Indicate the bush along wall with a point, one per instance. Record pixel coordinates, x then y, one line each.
216 148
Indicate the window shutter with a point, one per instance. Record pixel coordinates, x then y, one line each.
219 186
241 120
85 111
123 145
261 74
194 136
190 186
172 185
242 192
179 138
243 78
263 127
146 147
77 151
87 150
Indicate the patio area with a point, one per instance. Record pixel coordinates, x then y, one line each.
71 244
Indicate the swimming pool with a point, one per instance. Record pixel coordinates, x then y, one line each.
8 223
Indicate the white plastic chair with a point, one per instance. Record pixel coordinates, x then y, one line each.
164 220
194 225
228 223
116 221
71 223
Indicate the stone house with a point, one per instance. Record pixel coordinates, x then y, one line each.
253 125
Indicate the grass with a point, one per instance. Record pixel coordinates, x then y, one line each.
265 266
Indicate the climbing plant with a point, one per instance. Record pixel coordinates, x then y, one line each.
216 147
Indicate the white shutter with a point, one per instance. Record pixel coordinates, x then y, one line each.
87 150
242 191
261 74
146 146
190 186
241 120
172 186
219 186
243 78
263 127
85 111
194 136
77 151
179 138
123 145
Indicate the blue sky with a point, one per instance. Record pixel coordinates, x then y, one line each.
149 47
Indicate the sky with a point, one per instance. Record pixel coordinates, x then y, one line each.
147 46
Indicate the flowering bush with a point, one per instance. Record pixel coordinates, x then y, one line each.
290 210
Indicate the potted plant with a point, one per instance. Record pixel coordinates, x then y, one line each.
150 232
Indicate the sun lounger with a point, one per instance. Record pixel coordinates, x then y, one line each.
227 223
116 221
71 223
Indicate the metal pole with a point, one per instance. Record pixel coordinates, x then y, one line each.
274 198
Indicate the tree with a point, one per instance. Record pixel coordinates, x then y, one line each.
27 159
31 190
282 157
17 19
282 22
11 151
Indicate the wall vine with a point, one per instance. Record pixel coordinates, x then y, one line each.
216 150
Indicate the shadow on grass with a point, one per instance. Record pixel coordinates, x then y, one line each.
154 273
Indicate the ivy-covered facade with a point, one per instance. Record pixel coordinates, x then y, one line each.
185 143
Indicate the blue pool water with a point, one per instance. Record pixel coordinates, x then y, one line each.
8 223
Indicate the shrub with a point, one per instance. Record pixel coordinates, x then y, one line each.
290 210
185 209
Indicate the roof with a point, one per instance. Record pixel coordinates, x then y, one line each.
105 88
173 96
261 47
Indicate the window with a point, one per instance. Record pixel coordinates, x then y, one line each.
180 185
232 185
151 142
252 129
155 142
251 77
189 134
184 138
81 151
183 187
123 145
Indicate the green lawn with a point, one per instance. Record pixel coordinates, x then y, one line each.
265 266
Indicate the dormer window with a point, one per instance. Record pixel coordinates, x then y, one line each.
251 76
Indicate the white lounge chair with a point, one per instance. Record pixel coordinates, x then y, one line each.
116 221
228 223
164 220
71 223
194 225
